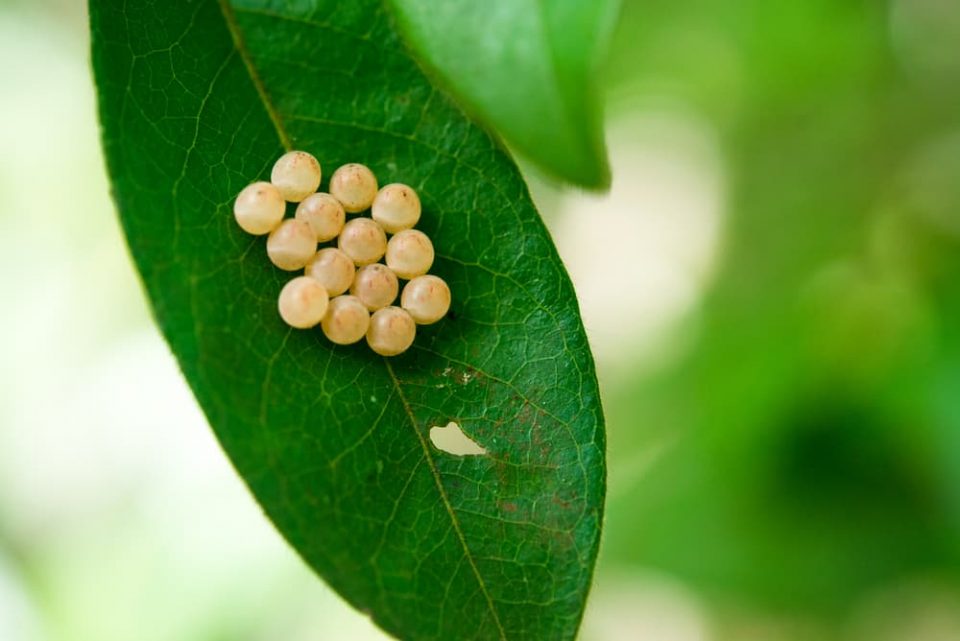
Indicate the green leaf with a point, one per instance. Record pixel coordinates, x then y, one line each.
527 69
197 99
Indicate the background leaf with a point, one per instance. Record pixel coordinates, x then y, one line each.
527 69
808 452
199 98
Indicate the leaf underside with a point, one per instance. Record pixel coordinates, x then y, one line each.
526 68
197 99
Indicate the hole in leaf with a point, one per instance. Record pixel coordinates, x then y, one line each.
452 440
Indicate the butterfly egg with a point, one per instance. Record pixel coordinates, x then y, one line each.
259 208
324 214
410 253
346 320
391 331
303 302
396 207
296 174
376 286
355 186
291 245
363 240
426 298
333 269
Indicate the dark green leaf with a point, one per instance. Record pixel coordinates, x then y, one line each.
527 68
199 98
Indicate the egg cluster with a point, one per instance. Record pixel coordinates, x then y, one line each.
345 288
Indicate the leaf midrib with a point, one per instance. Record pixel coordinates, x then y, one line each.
239 44
446 500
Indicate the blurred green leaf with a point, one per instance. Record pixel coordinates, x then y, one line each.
527 69
806 442
197 99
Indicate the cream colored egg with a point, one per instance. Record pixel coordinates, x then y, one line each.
391 331
355 186
303 302
259 208
346 321
324 213
410 253
296 174
291 245
363 240
376 286
396 207
333 269
426 298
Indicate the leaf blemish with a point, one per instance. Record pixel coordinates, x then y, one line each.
461 378
452 440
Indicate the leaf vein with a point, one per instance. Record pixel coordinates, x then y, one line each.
241 47
446 501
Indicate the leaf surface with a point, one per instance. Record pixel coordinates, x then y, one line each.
197 99
526 68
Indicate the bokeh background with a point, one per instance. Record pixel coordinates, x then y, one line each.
776 323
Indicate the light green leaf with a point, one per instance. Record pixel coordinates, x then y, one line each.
525 68
197 99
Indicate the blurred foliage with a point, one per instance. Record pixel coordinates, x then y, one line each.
810 438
